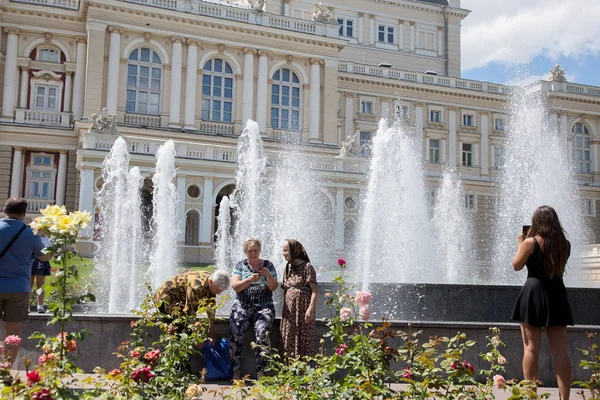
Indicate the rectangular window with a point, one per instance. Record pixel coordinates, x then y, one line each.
435 116
470 202
346 27
42 160
499 124
434 151
366 107
40 184
498 157
402 111
50 55
587 208
468 120
385 33
46 98
365 143
467 154
425 40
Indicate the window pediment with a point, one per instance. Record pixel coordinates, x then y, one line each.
47 76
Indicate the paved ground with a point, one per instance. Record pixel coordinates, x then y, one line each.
500 395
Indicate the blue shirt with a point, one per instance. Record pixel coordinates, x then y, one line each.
15 265
257 293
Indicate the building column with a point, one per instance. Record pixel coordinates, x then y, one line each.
24 88
181 186
207 211
339 219
61 182
68 91
112 79
86 197
175 92
372 30
361 28
191 76
485 166
349 115
315 98
452 154
385 109
412 37
595 148
79 81
401 35
262 88
16 177
94 68
553 122
563 131
440 42
10 75
419 121
248 85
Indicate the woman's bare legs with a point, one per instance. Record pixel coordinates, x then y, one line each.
532 340
557 336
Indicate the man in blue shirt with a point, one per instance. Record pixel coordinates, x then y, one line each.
18 246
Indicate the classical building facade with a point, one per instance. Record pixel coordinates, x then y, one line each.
194 71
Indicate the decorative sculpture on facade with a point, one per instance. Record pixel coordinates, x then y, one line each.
102 122
259 5
351 146
322 13
557 74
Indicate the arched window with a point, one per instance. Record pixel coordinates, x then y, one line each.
48 54
192 221
581 148
285 100
144 74
217 91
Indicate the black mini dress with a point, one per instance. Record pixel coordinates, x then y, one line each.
542 301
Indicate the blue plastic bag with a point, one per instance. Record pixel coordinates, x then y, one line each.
216 361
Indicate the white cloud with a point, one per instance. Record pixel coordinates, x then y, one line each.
514 32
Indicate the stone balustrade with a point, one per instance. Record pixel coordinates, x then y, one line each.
142 120
419 77
233 13
70 4
41 117
35 205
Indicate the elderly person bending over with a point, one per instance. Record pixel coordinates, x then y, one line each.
254 281
184 293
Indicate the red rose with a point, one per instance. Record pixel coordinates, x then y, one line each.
341 262
33 377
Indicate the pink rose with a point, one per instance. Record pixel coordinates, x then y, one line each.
143 374
501 360
341 350
345 313
407 373
341 262
364 313
363 298
499 381
114 372
152 356
43 394
12 340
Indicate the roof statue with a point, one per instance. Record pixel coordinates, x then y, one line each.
102 122
322 13
557 74
256 5
350 146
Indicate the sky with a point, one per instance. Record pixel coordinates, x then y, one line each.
518 41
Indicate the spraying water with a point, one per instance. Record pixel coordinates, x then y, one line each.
536 172
395 238
118 252
223 238
453 230
163 262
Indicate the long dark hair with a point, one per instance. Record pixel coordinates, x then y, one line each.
556 247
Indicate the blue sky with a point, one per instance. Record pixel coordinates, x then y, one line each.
519 41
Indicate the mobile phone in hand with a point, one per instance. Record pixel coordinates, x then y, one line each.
526 229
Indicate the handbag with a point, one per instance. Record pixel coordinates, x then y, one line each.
13 240
216 361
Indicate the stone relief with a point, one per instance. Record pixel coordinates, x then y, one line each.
104 123
351 146
322 13
256 5
557 74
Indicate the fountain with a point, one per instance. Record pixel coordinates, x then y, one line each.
165 225
118 255
223 238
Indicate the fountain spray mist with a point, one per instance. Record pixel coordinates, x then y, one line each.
118 250
536 172
395 241
223 238
163 262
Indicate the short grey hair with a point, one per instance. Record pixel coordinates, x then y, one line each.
220 279
252 241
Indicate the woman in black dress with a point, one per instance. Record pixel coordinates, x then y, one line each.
543 302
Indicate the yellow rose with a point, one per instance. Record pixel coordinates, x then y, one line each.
81 218
53 211
62 225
